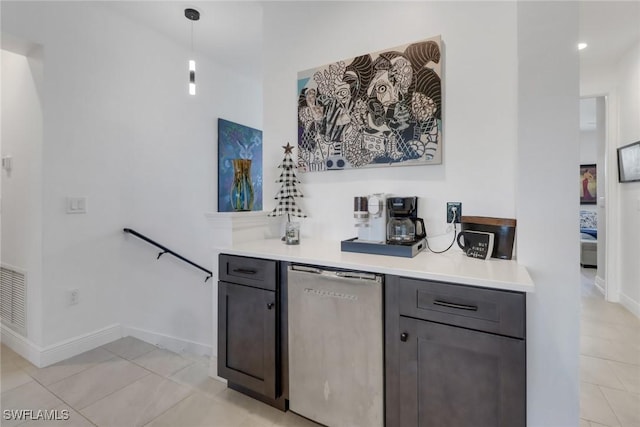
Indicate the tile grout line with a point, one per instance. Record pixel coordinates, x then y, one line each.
610 406
60 398
78 410
609 324
171 407
606 358
139 355
163 375
626 388
149 371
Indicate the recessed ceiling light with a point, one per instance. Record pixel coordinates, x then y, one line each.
581 46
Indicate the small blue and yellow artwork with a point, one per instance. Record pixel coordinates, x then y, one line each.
239 167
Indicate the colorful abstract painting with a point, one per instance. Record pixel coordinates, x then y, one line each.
378 109
236 141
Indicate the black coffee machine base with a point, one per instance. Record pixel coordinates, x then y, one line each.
401 250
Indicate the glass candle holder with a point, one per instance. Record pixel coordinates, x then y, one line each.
292 233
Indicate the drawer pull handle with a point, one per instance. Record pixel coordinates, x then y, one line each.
456 306
404 337
244 271
270 305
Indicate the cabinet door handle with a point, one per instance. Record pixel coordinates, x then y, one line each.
270 305
404 337
456 306
244 271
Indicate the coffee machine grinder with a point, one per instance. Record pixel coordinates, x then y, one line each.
403 225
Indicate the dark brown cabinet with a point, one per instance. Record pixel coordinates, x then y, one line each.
455 355
452 377
247 349
248 327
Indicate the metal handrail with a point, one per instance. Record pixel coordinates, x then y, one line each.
166 250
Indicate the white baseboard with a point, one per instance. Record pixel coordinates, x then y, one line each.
213 369
177 345
21 345
74 346
42 357
600 285
49 355
630 304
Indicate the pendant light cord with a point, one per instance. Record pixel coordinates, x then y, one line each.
192 38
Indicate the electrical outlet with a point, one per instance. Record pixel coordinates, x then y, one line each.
74 296
451 214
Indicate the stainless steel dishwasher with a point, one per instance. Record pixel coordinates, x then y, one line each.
336 346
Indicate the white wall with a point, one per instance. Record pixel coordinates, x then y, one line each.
120 129
547 208
22 186
483 157
620 82
629 131
588 131
595 81
589 138
601 150
593 139
479 110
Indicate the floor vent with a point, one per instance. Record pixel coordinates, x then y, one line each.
13 299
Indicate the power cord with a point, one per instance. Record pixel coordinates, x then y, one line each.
455 233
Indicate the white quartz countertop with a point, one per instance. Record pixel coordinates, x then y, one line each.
453 266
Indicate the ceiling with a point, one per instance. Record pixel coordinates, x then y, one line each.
610 28
228 31
231 31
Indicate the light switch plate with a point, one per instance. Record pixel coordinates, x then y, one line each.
76 205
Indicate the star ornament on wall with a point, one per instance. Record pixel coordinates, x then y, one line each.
287 148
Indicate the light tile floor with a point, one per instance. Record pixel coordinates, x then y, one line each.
132 383
609 360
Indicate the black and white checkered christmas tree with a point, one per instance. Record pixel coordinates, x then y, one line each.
288 190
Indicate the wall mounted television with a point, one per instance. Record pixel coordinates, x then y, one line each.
629 162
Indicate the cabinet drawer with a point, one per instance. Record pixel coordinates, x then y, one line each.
489 310
259 273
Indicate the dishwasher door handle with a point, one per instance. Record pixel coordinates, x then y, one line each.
306 269
360 275
356 275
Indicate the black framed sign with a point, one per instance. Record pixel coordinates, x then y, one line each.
629 162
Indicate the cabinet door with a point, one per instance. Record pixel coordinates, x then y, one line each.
247 337
455 377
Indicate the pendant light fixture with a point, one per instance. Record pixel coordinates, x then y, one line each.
192 15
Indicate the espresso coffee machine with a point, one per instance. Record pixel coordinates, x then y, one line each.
403 225
386 226
370 213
